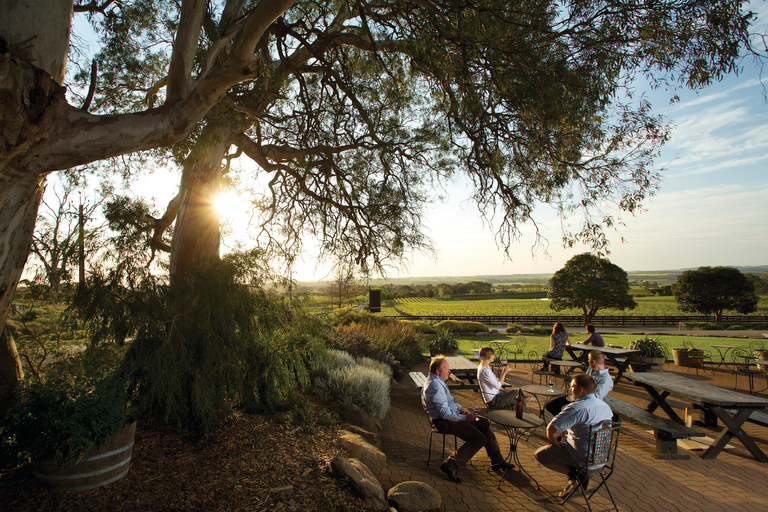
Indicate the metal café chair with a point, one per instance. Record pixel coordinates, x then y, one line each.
600 461
436 431
518 348
535 362
741 364
501 355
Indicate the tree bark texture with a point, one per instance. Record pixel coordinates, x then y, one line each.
20 24
196 233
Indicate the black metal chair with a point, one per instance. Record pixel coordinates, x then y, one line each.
436 431
535 361
501 358
518 348
600 461
741 364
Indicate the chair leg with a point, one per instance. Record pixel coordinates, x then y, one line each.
429 451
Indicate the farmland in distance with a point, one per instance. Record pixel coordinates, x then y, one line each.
646 306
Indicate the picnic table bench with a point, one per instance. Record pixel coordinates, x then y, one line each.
666 431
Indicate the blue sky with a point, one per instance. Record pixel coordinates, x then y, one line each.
711 208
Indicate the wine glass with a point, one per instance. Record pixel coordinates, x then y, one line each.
550 381
476 407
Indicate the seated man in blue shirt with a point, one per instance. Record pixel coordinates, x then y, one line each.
603 383
576 419
449 417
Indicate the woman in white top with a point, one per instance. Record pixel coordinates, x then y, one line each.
494 394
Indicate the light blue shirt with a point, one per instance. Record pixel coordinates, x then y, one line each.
438 401
603 382
576 418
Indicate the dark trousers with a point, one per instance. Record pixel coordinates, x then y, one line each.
546 363
556 405
475 434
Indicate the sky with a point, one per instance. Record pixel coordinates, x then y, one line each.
711 207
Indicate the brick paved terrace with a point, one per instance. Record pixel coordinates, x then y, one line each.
734 481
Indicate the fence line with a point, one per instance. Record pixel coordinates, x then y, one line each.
597 321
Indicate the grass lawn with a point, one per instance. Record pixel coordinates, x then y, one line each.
540 343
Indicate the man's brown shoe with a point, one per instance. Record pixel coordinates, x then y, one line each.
451 472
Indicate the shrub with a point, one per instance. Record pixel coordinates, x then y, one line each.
422 326
649 347
536 329
353 316
77 405
360 386
394 343
444 340
459 326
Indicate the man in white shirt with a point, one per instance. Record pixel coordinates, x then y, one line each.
448 417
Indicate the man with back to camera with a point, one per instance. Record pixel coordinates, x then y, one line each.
576 419
448 417
601 376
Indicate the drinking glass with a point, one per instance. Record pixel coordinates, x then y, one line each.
550 382
476 407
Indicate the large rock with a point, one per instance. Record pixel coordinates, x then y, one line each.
413 497
364 451
362 480
372 438
361 419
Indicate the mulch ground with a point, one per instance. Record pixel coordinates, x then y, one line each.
254 463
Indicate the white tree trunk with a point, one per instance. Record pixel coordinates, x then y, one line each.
44 25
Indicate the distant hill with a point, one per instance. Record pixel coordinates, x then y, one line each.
661 277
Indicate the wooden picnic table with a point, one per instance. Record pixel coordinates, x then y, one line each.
464 370
618 357
731 407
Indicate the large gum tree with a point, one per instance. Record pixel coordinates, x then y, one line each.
353 109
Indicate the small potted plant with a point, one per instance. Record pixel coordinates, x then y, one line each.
443 344
72 424
652 356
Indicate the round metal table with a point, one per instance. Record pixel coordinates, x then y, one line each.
515 427
537 390
723 351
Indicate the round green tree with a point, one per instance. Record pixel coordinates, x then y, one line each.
590 283
711 290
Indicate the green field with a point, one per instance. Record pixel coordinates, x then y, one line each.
541 343
646 306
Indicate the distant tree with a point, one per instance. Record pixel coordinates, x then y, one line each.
760 283
590 283
343 286
711 290
57 234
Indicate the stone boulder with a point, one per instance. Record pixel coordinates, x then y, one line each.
360 449
362 480
413 497
372 438
361 419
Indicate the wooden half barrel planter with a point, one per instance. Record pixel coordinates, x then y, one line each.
100 466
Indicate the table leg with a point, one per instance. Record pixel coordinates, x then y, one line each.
733 428
514 439
660 400
620 367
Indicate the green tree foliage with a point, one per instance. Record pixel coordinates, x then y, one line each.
590 283
711 290
206 347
